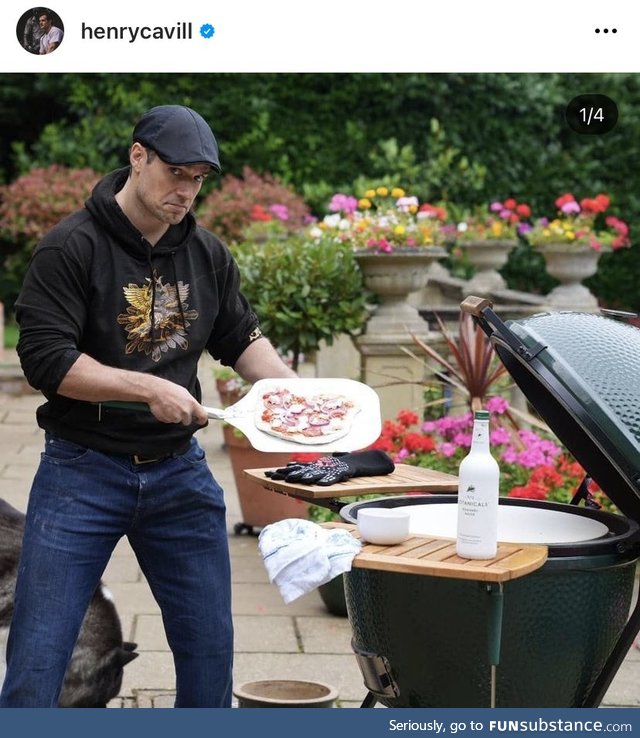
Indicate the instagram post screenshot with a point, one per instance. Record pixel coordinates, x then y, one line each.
320 368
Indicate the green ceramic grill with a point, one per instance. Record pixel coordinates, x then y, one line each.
566 628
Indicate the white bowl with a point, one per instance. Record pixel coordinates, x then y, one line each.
383 525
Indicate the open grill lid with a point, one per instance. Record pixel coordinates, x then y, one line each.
581 372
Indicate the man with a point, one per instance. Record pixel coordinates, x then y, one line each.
120 300
51 35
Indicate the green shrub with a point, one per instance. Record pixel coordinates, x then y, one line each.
303 292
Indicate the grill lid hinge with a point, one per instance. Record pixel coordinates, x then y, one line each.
481 311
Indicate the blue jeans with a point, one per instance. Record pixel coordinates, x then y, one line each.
82 502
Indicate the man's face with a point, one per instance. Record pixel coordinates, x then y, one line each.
45 23
166 191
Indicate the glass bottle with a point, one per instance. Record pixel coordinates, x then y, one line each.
478 492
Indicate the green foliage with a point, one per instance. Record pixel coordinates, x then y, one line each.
10 335
506 135
525 271
303 292
440 173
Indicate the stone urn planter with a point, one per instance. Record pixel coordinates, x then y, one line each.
393 277
487 256
570 265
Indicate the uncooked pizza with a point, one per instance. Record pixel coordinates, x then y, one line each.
309 419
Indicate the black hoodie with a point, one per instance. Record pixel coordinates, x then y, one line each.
96 286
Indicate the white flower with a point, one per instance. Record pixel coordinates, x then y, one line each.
332 220
315 232
404 203
462 227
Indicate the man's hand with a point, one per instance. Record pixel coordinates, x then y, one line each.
172 403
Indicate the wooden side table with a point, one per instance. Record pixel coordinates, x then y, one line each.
419 554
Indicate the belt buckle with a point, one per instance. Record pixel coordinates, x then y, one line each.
141 460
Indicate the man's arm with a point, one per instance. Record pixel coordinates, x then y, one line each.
261 361
54 40
91 381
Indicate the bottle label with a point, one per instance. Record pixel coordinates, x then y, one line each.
469 502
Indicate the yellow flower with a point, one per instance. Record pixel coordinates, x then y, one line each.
570 235
397 192
496 228
370 194
365 202
413 208
399 230
382 191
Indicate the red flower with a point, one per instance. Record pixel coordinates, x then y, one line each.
433 210
384 444
524 211
407 418
510 204
260 214
597 204
529 492
419 442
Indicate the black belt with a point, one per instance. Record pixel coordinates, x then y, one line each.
139 459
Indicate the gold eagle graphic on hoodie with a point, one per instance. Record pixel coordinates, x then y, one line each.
157 317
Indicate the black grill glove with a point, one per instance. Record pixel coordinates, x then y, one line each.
333 469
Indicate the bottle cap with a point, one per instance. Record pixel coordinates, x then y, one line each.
481 415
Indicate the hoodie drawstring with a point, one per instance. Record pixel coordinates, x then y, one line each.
153 297
175 281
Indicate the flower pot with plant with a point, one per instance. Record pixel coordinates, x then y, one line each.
486 237
394 239
571 245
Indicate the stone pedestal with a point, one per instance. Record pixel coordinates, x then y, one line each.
394 277
487 257
383 362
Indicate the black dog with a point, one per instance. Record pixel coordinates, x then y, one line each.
94 674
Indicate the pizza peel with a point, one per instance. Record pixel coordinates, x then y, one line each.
365 426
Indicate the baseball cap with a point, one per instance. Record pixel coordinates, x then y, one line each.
179 135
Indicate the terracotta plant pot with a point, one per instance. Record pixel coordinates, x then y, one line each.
258 506
285 693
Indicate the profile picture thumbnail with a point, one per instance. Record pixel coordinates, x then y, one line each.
40 30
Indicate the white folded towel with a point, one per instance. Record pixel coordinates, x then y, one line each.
300 555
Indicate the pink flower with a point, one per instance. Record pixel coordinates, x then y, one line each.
570 207
500 436
280 211
497 405
343 203
448 449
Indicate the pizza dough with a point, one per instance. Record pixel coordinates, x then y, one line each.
309 419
